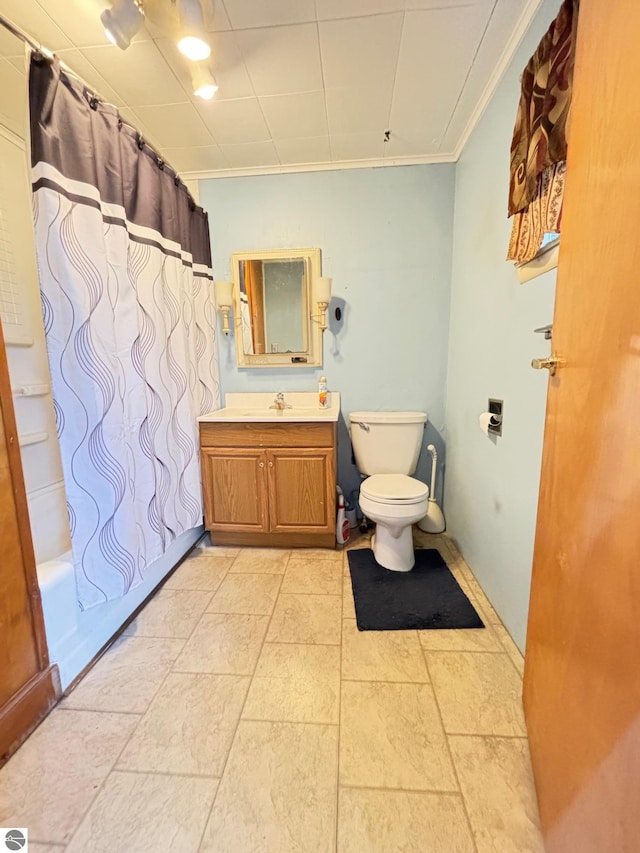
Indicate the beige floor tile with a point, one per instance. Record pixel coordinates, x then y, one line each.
332 554
206 548
306 619
189 726
381 655
300 684
408 821
227 644
246 594
170 613
461 640
312 576
358 540
45 848
269 561
205 573
478 693
146 814
278 792
348 604
127 677
495 777
392 737
486 611
516 656
52 779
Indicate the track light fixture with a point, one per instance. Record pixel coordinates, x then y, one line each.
203 81
122 21
192 42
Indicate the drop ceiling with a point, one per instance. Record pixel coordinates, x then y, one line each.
302 83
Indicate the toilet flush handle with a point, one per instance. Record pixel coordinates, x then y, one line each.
364 426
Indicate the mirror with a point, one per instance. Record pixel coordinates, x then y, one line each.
273 304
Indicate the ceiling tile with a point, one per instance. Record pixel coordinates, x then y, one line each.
313 150
139 74
254 154
13 104
359 109
281 60
412 5
295 115
32 18
414 146
502 24
356 146
209 157
361 51
85 70
215 16
175 125
225 63
436 53
234 122
245 14
329 10
334 9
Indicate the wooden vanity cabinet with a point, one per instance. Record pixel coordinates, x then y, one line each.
269 484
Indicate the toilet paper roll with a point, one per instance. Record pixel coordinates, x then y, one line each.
484 421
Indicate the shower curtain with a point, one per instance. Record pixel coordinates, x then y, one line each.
127 299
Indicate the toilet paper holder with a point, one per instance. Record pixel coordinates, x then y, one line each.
495 407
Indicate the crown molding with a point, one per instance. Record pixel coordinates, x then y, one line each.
524 22
338 165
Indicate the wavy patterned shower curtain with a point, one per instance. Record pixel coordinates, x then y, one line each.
127 299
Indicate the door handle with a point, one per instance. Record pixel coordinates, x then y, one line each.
551 364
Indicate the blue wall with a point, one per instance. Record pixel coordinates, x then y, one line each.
386 237
491 489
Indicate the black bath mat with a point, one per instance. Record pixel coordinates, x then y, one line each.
426 597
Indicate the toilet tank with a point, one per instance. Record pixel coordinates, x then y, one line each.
386 442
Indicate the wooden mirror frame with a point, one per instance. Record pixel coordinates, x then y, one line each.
312 356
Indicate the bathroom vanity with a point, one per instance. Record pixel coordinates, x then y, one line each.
269 474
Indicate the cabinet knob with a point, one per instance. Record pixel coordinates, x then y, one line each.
270 464
260 464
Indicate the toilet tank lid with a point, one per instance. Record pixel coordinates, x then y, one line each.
388 417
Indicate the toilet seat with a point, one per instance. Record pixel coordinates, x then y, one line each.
394 489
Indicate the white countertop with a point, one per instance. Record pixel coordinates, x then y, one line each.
243 407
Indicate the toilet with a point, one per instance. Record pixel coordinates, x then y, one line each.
386 446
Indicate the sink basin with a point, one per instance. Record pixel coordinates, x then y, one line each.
240 407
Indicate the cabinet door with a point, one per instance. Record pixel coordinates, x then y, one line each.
302 485
234 484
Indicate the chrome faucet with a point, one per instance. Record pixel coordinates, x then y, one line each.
279 402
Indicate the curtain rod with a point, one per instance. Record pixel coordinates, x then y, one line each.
38 48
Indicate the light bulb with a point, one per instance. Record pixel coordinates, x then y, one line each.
204 85
194 48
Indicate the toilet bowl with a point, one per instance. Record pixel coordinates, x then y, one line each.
394 502
386 446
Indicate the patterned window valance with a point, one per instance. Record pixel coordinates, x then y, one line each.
539 145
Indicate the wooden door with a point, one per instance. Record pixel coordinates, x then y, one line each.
582 671
301 490
235 492
29 686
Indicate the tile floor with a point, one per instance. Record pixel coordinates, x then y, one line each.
243 711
